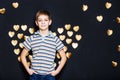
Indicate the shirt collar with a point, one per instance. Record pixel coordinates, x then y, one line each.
50 34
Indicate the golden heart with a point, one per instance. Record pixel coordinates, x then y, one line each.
114 64
119 48
76 28
60 30
2 11
67 26
21 45
68 55
23 27
16 27
19 59
14 42
65 48
58 55
118 19
30 57
108 5
68 40
31 30
69 33
109 32
78 37
84 7
15 4
74 45
54 33
25 37
20 35
99 18
62 37
17 51
11 33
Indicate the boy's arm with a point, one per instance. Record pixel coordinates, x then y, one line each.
23 55
62 63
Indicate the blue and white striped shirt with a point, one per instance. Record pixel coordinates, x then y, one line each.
44 50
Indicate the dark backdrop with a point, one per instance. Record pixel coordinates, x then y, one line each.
91 60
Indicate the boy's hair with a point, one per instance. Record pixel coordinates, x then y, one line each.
43 12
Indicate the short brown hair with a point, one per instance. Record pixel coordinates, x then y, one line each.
45 12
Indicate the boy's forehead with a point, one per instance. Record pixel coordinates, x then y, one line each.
43 15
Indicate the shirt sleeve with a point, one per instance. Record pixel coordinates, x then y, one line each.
27 44
59 44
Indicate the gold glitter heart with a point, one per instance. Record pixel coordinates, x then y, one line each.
19 59
15 4
119 48
67 26
21 45
74 45
24 27
78 37
76 28
14 42
109 32
17 51
54 33
16 27
62 37
108 5
31 30
118 19
68 55
30 57
25 37
60 30
114 64
99 18
58 55
69 33
11 33
2 11
84 7
20 35
65 48
68 40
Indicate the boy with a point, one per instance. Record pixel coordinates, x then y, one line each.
44 46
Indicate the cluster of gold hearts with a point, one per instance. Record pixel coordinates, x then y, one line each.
2 11
13 33
70 33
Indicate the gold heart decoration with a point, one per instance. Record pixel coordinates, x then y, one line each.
31 30
84 7
78 37
58 55
74 45
19 59
11 33
114 64
17 51
76 28
21 45
109 32
20 35
15 4
68 40
119 48
69 33
24 27
2 11
99 18
30 57
118 19
16 27
67 26
14 42
68 55
62 37
25 37
60 30
54 33
108 5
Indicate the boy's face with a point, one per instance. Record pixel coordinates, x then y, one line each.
43 22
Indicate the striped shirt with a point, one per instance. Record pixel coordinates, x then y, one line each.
44 50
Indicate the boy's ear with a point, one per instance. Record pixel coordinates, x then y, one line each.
50 22
36 23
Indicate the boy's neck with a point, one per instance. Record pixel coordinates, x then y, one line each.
44 33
